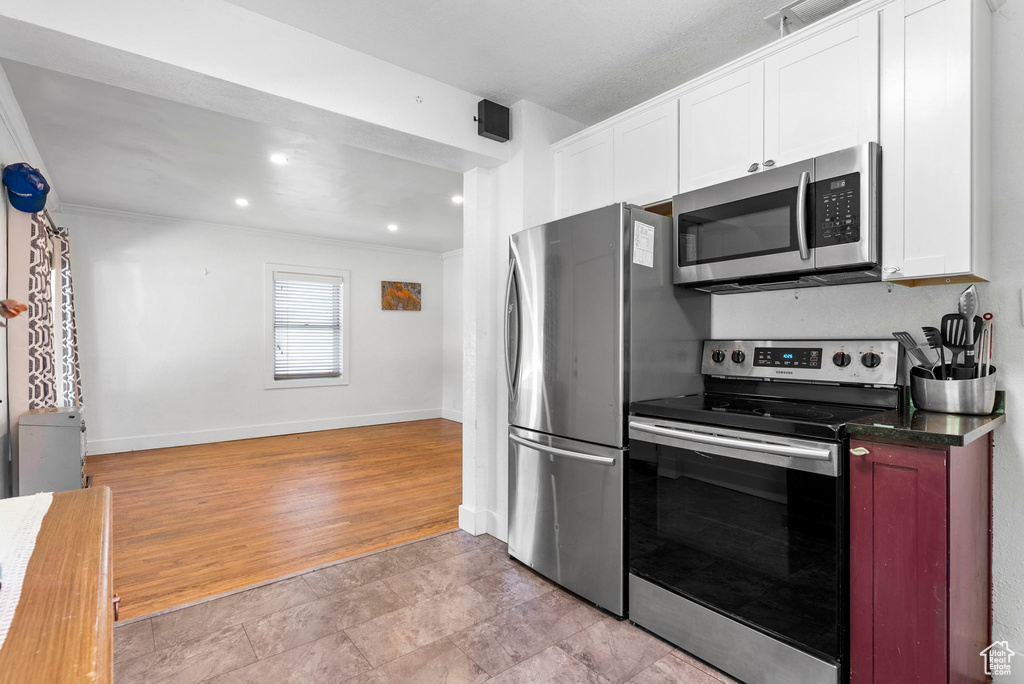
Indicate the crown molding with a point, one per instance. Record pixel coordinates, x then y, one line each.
85 210
449 255
14 121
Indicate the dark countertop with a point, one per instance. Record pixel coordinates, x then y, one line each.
926 427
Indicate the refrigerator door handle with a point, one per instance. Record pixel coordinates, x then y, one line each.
511 329
554 451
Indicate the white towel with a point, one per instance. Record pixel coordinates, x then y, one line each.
20 520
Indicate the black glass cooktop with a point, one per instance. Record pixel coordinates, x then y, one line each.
804 418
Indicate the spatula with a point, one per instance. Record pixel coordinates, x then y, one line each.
954 335
934 339
914 350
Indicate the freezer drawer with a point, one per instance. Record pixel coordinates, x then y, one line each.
566 514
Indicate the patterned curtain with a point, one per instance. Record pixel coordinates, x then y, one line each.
42 379
71 374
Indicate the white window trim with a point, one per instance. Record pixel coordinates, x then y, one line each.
268 362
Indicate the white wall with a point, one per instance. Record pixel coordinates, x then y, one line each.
451 345
172 324
9 154
869 310
498 202
16 145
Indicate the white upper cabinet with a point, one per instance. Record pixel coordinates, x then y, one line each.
721 129
645 156
821 94
912 75
584 174
935 139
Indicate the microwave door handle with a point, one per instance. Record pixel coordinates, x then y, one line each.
801 217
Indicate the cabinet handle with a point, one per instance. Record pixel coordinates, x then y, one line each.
860 451
117 605
753 167
768 163
891 269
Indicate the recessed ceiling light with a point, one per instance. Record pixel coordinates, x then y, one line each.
392 227
279 159
242 202
457 199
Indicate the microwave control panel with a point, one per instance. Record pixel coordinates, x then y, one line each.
837 210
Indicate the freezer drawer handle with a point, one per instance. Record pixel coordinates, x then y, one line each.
554 451
715 440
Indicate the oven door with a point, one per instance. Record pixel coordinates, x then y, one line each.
751 227
745 524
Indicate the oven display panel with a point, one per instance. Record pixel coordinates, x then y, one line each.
787 358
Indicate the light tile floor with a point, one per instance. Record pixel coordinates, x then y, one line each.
453 608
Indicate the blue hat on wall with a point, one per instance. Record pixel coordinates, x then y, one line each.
26 188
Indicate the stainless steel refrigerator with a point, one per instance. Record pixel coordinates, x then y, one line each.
592 322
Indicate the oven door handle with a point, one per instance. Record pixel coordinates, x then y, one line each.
732 442
801 217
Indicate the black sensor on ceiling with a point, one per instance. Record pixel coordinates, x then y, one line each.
492 120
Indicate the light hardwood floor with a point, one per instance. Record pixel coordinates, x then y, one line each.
192 522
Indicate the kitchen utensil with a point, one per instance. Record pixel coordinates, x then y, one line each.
990 345
975 397
954 335
914 350
987 347
983 349
934 339
967 305
973 340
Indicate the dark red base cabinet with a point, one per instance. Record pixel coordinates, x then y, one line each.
920 562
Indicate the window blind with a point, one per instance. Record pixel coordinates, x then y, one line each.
307 326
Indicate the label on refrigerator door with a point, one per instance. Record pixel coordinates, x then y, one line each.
643 244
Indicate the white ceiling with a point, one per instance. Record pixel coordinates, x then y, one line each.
118 149
586 59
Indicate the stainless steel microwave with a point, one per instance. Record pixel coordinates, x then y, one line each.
811 223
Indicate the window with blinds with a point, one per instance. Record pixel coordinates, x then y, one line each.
308 320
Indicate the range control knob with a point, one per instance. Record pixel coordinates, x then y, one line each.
718 356
871 360
841 359
738 356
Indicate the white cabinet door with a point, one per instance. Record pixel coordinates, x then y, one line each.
721 129
821 94
646 167
584 174
935 138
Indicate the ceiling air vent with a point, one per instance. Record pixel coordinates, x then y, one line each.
803 12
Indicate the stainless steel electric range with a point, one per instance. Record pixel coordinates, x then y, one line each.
737 505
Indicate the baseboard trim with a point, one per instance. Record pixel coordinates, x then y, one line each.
451 414
497 526
480 522
472 520
140 442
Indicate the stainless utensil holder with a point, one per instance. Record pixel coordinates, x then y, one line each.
975 397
